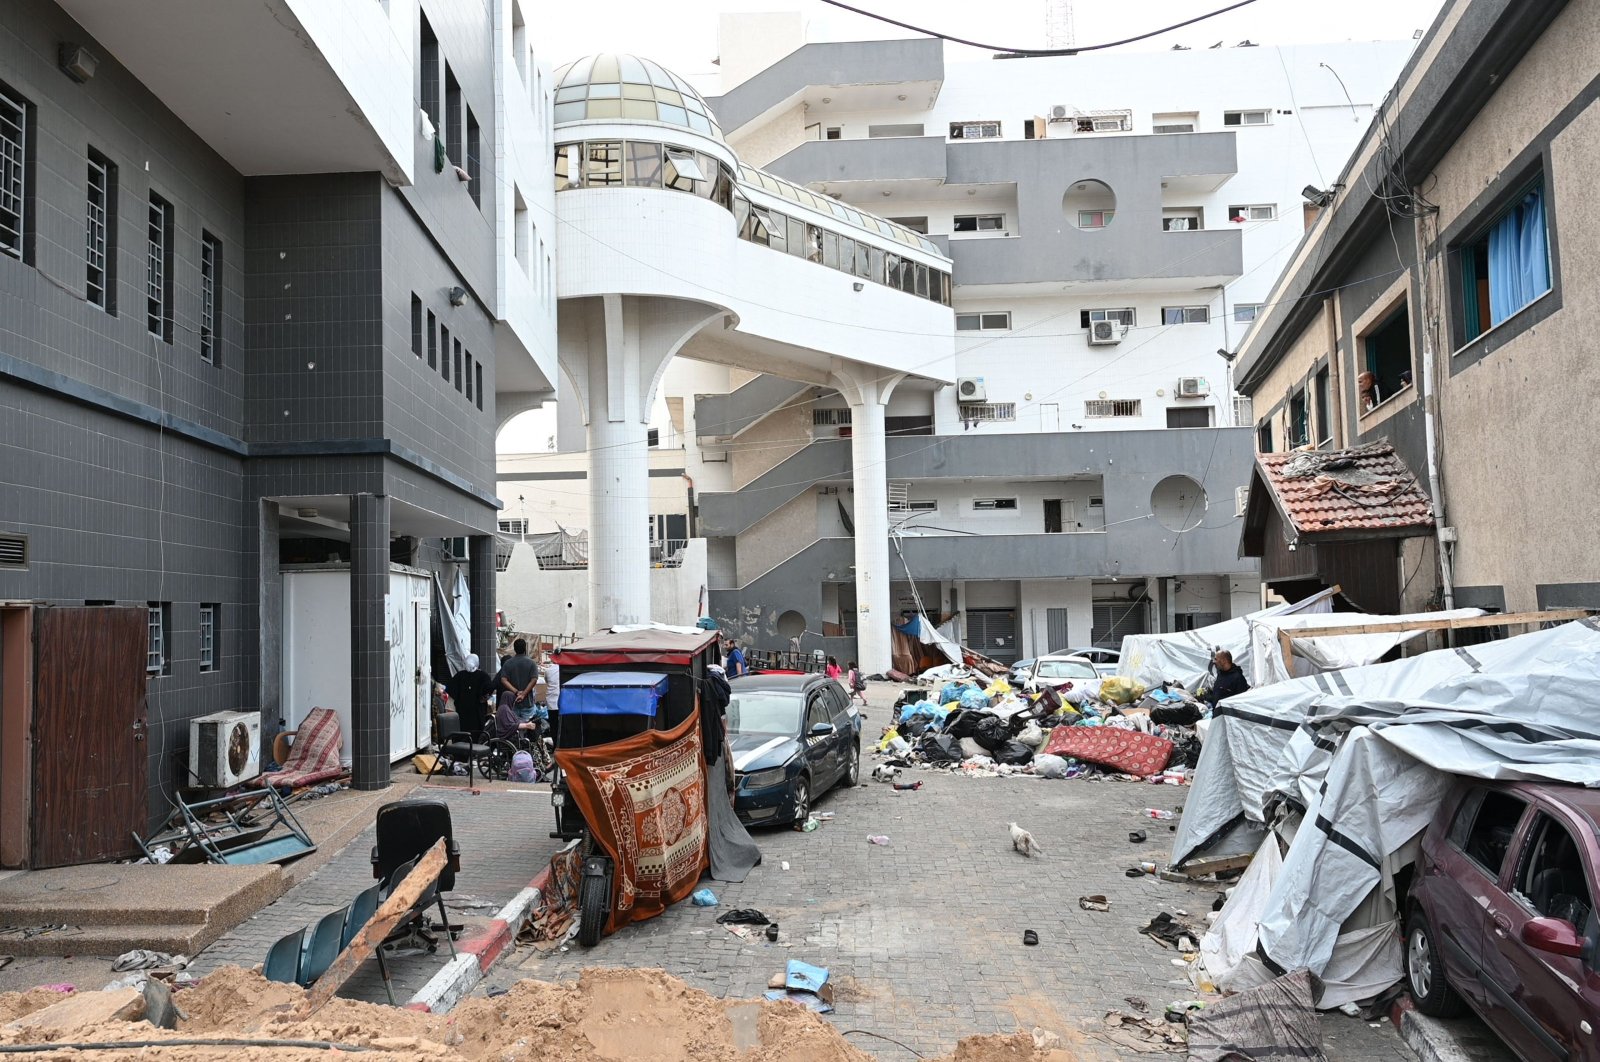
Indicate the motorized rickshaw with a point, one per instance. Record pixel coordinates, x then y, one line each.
615 687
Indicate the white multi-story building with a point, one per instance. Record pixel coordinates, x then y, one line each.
1114 221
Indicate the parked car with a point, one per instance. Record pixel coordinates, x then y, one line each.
1104 660
1019 671
793 737
1058 669
1501 915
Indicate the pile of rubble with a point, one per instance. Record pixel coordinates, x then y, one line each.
605 1016
1112 727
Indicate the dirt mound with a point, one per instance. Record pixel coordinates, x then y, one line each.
605 1016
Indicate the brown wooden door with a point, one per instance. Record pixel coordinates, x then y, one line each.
89 758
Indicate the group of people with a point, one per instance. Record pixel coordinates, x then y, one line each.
525 693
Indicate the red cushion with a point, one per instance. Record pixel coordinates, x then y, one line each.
1127 751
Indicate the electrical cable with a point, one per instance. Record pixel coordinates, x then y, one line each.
1036 52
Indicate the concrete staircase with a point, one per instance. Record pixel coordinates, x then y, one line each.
108 909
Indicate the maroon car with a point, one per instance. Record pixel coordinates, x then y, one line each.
1502 915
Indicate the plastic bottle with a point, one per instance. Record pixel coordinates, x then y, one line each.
1157 813
878 838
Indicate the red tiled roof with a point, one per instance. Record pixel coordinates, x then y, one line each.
1368 488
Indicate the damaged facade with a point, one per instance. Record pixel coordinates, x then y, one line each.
259 310
1442 306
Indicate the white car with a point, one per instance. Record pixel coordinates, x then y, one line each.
1058 669
1104 660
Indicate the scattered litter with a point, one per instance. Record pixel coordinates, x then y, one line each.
1179 1011
824 816
804 999
1044 1040
704 898
784 865
498 991
772 932
63 987
1157 813
805 977
1137 1003
1171 932
1350 1009
142 959
810 825
1136 836
878 838
1279 1012
1140 1033
907 787
748 916
1094 903
1030 938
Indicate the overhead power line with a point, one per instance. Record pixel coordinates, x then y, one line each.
1073 50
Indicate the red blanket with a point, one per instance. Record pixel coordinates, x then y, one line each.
1127 751
645 801
314 756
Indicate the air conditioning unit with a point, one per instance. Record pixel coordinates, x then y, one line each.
225 748
1241 499
971 389
1193 387
1061 113
1104 333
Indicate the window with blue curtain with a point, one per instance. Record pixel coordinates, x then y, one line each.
1509 266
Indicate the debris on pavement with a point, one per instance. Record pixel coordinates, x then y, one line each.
703 898
144 959
1030 938
1280 1013
878 839
1139 1033
748 916
1094 903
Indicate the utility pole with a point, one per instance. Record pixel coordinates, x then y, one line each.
1058 28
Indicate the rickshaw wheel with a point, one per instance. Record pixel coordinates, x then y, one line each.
594 904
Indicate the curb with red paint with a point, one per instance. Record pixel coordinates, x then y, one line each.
475 955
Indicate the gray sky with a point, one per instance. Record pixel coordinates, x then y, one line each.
683 35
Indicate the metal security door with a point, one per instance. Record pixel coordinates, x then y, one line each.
1055 620
90 758
1114 620
993 632
420 630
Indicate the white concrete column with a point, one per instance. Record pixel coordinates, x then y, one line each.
868 394
619 527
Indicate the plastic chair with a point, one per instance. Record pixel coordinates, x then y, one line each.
283 958
361 911
322 947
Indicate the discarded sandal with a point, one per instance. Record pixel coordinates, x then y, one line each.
1094 903
1030 938
1136 836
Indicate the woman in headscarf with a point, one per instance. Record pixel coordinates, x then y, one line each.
468 690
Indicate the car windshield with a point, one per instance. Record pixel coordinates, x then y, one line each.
764 712
1063 669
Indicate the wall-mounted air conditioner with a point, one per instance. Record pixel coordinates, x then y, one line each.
1061 113
971 389
225 748
1104 333
1193 387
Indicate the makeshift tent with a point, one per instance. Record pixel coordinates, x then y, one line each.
1387 744
1185 656
920 630
1328 652
455 619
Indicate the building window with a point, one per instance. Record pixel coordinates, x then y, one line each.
416 324
1182 219
477 373
100 220
521 230
1507 267
458 363
452 116
1264 437
1237 118
1387 349
1095 219
877 132
1188 416
208 637
1103 122
979 222
1114 407
988 412
433 341
158 265
1123 316
16 174
833 132
994 505
444 352
210 295
467 356
652 437
915 224
829 418
974 130
1246 311
919 505
516 525
1253 212
430 75
1243 411
1176 315
156 661
474 150
983 322
1322 395
1299 425
1175 122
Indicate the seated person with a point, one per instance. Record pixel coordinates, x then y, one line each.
509 725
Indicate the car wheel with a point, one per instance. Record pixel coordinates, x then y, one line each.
852 773
1425 972
801 796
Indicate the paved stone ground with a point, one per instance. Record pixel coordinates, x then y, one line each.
924 937
503 837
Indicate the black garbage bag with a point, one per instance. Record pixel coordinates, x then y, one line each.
991 732
1014 753
940 748
916 728
1181 714
961 722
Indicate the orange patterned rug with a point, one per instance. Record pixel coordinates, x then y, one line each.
645 801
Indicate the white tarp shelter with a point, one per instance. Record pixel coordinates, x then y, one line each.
1185 656
1387 742
1333 652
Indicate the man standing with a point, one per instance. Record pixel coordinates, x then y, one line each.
1229 681
518 675
735 665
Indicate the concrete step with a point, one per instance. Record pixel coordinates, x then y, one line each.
185 939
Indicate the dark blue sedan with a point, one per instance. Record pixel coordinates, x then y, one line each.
793 738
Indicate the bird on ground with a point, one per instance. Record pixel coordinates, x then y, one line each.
1022 841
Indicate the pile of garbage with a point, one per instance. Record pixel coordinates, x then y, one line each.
611 1015
985 727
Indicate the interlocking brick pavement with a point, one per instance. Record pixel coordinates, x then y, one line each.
503 834
924 937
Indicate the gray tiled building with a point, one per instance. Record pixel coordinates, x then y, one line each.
256 303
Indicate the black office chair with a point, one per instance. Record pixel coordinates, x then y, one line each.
457 746
406 829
